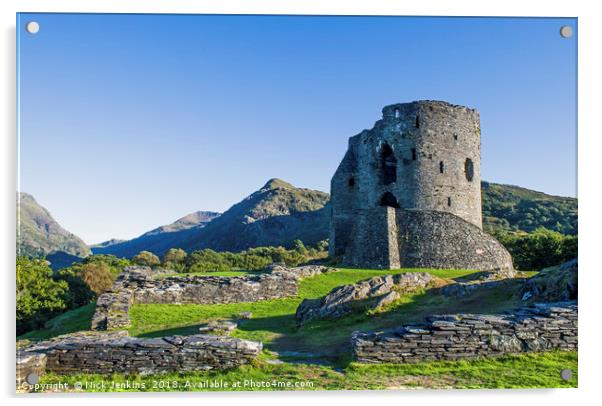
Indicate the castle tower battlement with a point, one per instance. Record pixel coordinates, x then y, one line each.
421 156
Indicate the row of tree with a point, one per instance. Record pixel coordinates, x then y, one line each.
208 260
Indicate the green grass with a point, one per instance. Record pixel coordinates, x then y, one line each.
535 370
273 321
68 322
327 341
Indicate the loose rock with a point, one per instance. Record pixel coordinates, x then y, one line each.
369 294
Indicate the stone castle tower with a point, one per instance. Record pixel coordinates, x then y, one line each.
408 193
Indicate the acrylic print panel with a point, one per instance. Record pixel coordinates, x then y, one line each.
211 202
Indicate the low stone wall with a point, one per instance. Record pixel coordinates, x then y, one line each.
463 336
137 285
29 364
106 353
214 289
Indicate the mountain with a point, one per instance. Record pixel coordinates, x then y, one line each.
39 234
513 208
159 239
107 243
276 214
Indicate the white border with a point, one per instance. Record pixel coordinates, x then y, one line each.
589 189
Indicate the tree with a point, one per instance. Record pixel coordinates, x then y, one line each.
146 258
174 258
299 247
39 296
97 276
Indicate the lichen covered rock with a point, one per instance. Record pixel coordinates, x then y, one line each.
369 294
557 283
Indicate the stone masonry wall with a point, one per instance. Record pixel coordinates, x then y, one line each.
421 160
463 336
385 237
106 353
137 285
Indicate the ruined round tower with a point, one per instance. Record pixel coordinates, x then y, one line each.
408 192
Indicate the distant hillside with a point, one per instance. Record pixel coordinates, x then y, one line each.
513 208
277 214
159 239
39 234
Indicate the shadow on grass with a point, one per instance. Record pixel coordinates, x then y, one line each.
328 340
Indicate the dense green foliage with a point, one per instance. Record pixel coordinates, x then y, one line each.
174 259
146 258
258 258
42 293
539 249
512 208
39 296
90 278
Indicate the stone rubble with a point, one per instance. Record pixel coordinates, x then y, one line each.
558 283
540 327
218 327
369 294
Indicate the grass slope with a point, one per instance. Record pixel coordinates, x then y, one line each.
273 321
68 322
320 351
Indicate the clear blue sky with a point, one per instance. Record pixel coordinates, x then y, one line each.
128 122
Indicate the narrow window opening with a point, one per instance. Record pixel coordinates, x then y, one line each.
396 113
413 154
469 169
388 164
417 121
388 200
441 167
456 137
351 181
449 201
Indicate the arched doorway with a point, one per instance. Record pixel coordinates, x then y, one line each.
389 200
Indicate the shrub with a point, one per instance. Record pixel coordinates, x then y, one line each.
539 249
146 258
174 259
39 296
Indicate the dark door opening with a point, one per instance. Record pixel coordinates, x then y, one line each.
389 200
388 164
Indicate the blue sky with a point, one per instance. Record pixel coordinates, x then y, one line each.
128 122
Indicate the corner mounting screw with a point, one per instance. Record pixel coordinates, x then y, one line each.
566 31
32 27
566 374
